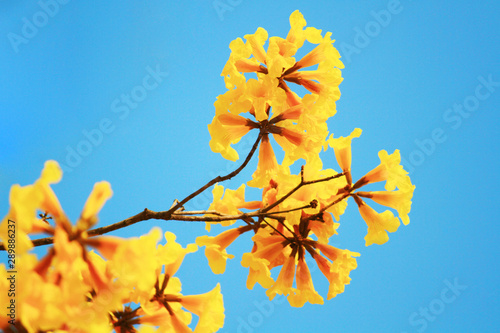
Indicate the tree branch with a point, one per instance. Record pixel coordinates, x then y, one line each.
190 216
219 178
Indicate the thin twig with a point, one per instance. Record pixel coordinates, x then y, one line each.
288 210
279 232
198 212
322 210
296 188
219 178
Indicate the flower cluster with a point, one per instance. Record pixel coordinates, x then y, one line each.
73 288
267 103
295 217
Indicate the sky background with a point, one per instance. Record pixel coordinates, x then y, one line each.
416 80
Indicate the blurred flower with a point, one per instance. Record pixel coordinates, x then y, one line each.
74 289
26 201
166 306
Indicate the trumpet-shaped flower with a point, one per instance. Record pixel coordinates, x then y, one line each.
215 247
284 282
342 149
400 200
389 170
305 289
98 197
379 224
167 308
287 249
208 307
25 201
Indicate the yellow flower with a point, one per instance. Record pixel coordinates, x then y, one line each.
215 250
288 250
224 133
163 310
171 254
164 305
271 115
284 282
324 228
136 252
389 170
305 290
277 63
321 193
258 271
25 201
298 125
297 34
98 197
342 149
267 167
337 272
166 308
208 307
378 223
400 200
80 291
229 202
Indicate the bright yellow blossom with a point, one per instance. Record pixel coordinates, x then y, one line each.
215 250
305 289
378 223
399 200
98 197
342 149
391 171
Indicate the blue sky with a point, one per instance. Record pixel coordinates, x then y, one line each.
420 76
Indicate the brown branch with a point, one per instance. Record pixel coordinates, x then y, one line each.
219 178
198 212
146 214
221 218
287 211
335 202
189 216
186 216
